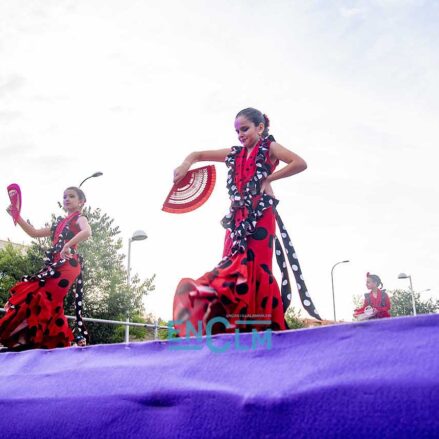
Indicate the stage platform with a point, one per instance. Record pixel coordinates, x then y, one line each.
369 379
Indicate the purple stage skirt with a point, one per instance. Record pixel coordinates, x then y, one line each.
370 379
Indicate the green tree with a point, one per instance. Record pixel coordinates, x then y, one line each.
106 294
402 304
143 334
14 263
358 300
294 319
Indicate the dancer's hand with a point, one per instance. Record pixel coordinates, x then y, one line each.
181 171
267 189
9 209
65 252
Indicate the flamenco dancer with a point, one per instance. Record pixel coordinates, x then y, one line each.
376 302
242 286
34 312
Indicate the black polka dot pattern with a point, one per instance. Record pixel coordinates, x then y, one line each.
265 268
275 326
260 233
63 283
225 300
242 289
295 266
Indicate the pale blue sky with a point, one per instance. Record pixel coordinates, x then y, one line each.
130 87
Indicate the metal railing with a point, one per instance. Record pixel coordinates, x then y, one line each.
126 323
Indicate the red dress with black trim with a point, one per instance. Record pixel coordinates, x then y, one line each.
380 303
242 286
34 312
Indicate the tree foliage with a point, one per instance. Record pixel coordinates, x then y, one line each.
294 319
14 263
146 333
358 300
106 293
402 305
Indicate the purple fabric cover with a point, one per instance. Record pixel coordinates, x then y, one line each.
369 379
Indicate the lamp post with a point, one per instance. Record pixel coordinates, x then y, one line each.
424 291
96 174
408 276
138 235
332 281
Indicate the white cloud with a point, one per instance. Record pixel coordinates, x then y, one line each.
352 12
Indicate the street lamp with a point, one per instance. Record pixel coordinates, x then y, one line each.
424 291
138 235
408 276
96 174
332 280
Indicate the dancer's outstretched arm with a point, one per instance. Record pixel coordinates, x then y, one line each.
217 155
29 228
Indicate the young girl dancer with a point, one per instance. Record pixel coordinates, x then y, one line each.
377 300
34 312
242 286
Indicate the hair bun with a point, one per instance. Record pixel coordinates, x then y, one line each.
267 120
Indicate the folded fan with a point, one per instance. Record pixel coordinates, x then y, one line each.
14 193
192 191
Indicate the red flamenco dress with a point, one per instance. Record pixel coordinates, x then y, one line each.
379 303
34 312
241 288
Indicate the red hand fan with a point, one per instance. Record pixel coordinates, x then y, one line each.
192 191
14 193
